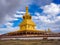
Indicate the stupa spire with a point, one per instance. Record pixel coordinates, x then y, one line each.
26 9
27 15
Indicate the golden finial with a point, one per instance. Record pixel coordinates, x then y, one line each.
49 30
26 9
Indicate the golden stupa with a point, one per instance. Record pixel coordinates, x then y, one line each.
27 29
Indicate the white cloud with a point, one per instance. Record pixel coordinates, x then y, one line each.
9 18
8 24
58 17
8 29
35 17
18 16
52 9
43 18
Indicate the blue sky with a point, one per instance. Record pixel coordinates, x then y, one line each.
45 13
